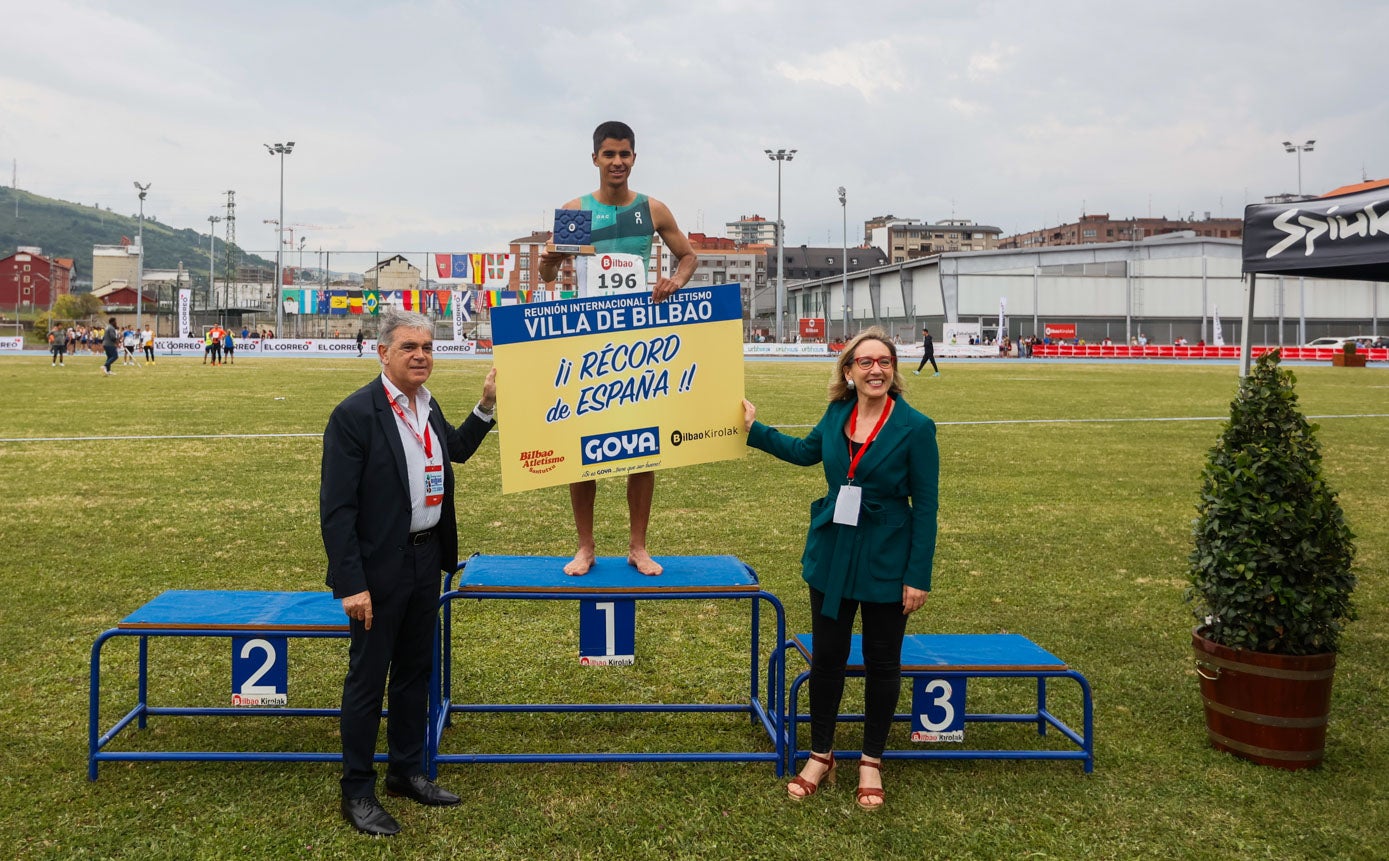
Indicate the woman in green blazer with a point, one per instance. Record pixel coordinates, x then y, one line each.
869 547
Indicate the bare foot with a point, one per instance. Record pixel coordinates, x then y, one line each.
642 561
582 562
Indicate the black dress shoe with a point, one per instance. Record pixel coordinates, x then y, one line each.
420 789
369 817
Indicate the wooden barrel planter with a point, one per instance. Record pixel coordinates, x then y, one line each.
1271 709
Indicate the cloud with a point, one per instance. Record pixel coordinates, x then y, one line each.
866 67
983 65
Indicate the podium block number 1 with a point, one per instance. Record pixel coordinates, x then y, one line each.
607 633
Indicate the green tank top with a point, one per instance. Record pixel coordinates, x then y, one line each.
622 229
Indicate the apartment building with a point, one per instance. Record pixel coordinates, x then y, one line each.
752 230
1099 227
904 239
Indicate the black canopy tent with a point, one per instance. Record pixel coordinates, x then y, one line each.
1339 236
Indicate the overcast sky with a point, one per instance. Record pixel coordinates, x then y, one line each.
457 126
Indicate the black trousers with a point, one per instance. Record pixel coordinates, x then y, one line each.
399 648
884 626
929 357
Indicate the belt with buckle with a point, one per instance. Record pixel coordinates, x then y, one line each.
424 537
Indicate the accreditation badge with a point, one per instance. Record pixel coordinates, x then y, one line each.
847 505
433 483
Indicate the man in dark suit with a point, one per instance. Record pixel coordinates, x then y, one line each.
387 516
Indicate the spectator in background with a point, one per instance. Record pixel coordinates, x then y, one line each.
928 353
229 347
58 345
110 337
128 339
147 342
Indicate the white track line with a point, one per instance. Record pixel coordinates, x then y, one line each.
215 436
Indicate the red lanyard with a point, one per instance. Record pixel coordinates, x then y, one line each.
422 440
853 425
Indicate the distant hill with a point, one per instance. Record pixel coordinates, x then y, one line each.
64 229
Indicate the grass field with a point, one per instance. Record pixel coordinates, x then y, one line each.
1067 495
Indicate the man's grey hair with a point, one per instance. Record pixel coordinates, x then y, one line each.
393 318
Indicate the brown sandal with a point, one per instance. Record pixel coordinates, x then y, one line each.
808 788
865 793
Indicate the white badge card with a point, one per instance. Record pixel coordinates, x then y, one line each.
846 506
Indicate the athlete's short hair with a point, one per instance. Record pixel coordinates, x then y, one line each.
615 130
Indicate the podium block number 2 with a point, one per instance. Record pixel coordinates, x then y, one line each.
260 671
607 633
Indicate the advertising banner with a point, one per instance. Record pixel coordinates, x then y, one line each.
185 301
786 349
1059 330
813 327
615 385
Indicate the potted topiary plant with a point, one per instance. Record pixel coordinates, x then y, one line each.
1348 357
1270 578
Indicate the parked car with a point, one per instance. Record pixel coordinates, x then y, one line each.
1338 343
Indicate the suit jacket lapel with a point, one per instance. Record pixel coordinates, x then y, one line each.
386 416
837 459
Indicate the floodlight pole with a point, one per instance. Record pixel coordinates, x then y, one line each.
781 155
1289 146
140 261
282 150
211 264
844 289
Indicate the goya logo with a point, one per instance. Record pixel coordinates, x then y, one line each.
620 445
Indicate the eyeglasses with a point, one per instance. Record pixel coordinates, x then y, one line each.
867 362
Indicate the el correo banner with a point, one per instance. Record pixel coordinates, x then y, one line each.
185 301
598 387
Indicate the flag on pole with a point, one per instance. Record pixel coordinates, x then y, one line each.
499 268
443 265
354 304
477 271
410 300
462 269
371 301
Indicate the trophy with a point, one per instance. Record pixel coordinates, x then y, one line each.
573 233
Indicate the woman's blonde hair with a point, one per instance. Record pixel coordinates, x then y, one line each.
839 389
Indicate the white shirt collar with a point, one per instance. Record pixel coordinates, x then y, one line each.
424 397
